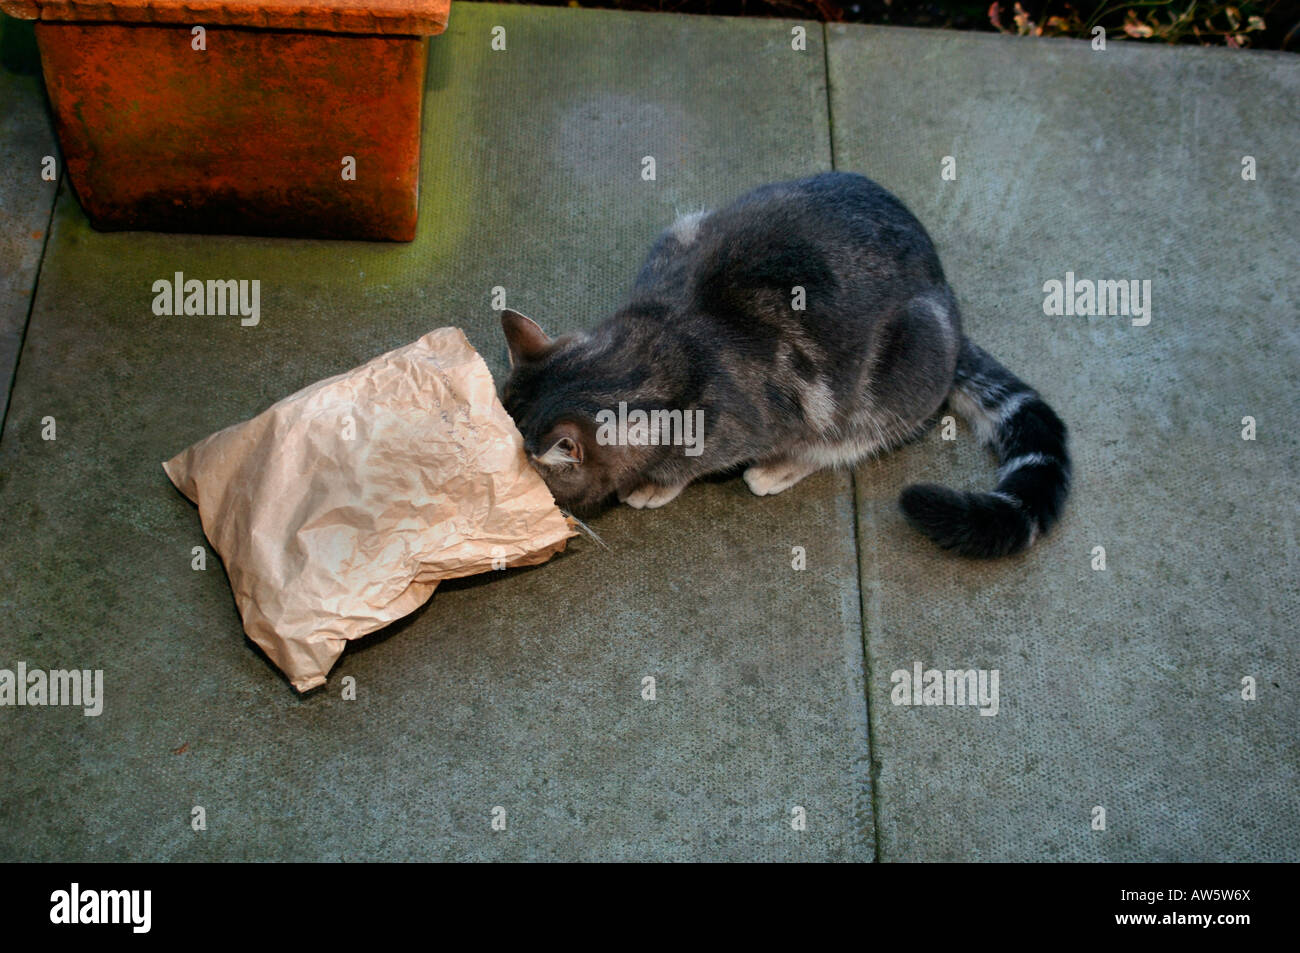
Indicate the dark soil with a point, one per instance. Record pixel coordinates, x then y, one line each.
1210 24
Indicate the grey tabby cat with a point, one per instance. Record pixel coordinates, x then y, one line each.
713 325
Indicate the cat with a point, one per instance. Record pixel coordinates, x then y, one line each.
808 324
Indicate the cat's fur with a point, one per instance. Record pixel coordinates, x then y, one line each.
865 366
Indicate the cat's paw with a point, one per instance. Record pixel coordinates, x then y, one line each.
772 478
651 496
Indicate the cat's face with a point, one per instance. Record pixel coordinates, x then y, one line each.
543 394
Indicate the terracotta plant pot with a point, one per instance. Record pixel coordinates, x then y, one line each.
260 117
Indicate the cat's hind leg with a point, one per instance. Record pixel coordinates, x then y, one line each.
869 439
768 479
650 496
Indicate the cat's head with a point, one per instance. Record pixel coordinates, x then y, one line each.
548 395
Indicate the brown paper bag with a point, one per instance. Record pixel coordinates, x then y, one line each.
338 509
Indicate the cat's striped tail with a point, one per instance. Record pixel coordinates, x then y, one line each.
1034 475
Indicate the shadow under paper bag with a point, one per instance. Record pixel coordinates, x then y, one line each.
339 509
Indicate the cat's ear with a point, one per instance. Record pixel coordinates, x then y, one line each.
525 337
563 446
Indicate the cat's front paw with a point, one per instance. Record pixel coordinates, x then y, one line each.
651 496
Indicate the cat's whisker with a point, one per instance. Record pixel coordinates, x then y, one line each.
586 529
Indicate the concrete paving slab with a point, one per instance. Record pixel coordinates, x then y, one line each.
522 692
28 185
1120 689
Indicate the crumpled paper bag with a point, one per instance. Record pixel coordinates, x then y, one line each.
338 509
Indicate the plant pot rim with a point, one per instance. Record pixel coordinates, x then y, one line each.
400 17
